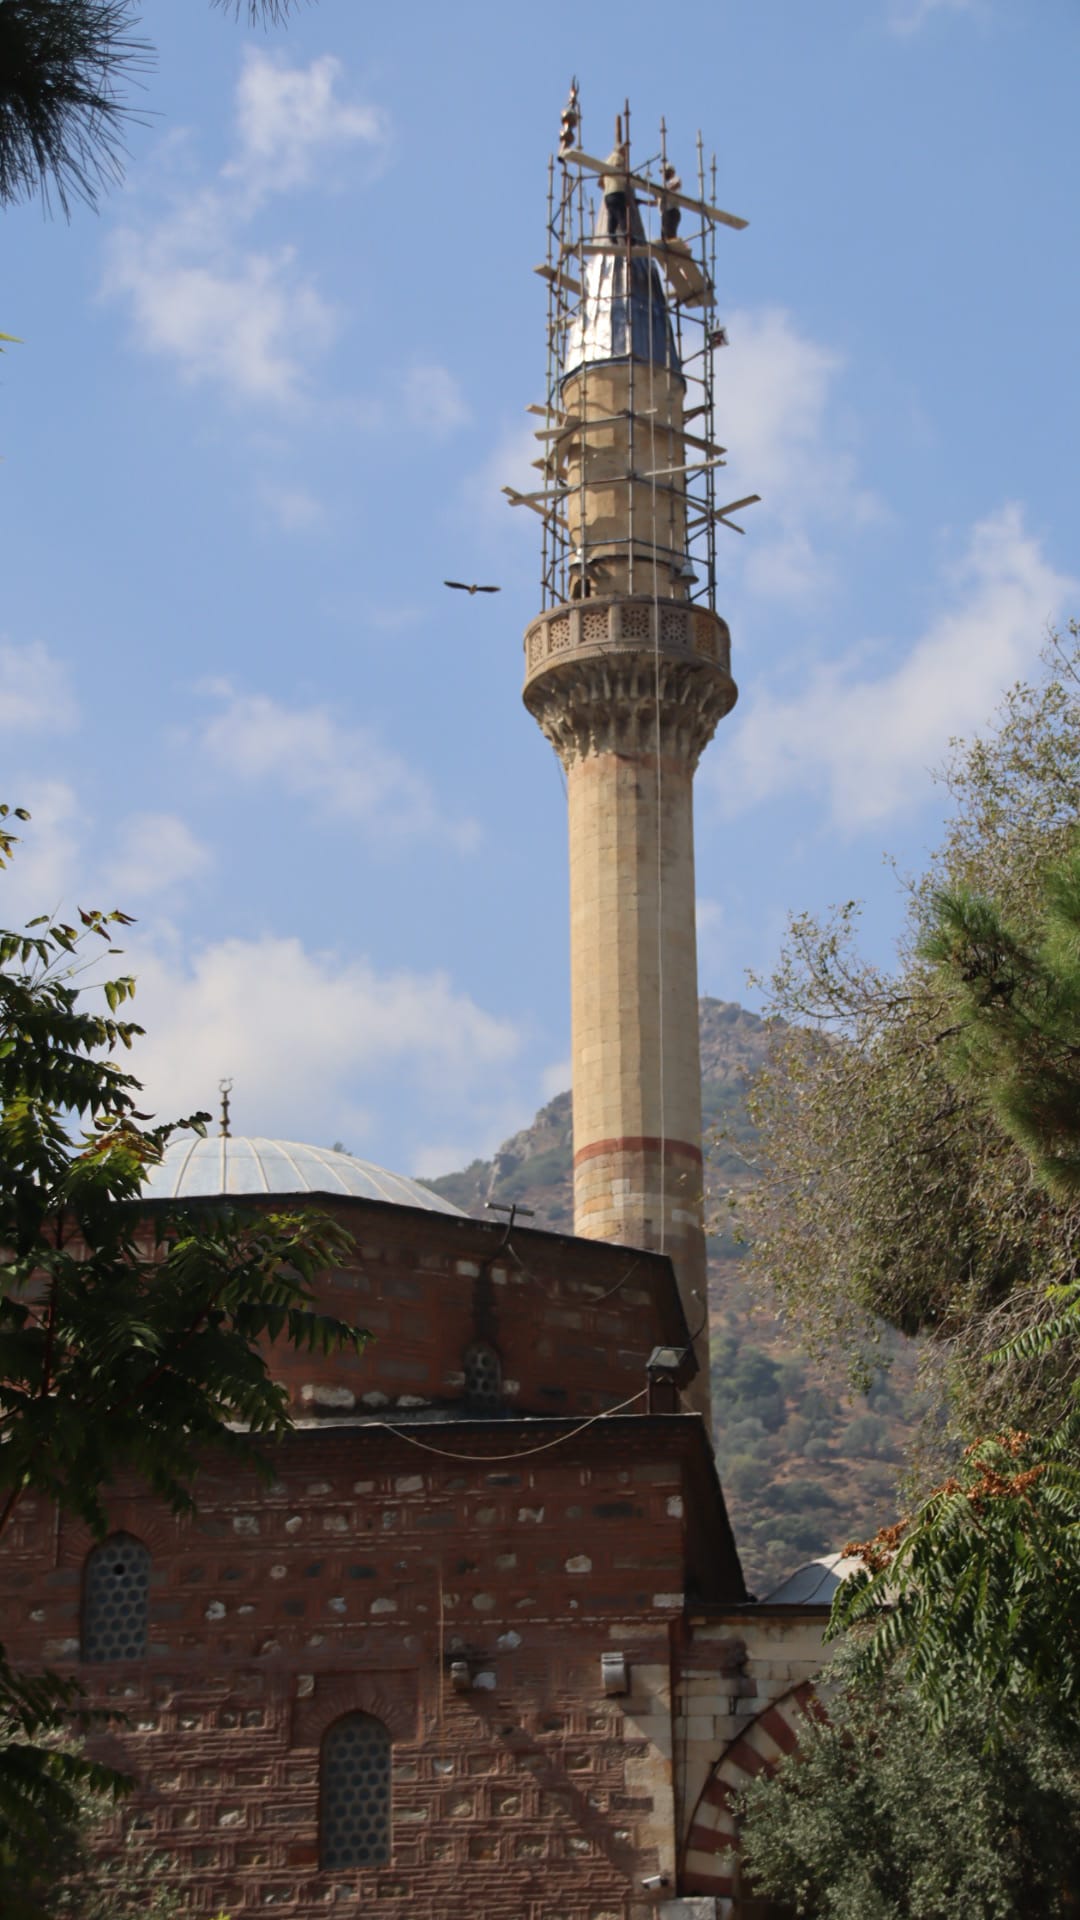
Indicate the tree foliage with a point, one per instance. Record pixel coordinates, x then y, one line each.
980 1587
889 1190
1014 991
878 1817
982 1583
56 1806
949 1780
126 1347
65 69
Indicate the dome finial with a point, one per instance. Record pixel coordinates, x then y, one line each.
225 1088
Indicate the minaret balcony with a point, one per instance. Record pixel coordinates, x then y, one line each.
628 675
622 625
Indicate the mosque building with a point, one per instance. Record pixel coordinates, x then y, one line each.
483 1649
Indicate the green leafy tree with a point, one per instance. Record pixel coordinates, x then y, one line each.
64 1849
949 1778
64 66
983 1582
981 1585
878 1817
889 1190
1013 988
125 1347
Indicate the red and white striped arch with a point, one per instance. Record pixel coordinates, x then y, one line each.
711 1864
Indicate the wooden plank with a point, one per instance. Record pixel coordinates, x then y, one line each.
529 499
546 513
556 433
559 279
658 193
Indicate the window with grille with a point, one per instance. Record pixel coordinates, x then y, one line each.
116 1591
483 1376
355 1793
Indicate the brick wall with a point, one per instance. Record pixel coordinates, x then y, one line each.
350 1583
572 1321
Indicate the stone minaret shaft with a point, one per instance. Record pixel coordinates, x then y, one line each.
628 680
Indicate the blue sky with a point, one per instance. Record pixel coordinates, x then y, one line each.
267 400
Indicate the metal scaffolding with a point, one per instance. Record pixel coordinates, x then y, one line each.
679 465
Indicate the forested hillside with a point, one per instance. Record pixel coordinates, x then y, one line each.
806 1463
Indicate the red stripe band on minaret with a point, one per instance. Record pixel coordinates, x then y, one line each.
641 1143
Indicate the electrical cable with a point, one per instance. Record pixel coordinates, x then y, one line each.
525 1453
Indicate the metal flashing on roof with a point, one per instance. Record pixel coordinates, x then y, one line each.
623 313
226 1165
814 1584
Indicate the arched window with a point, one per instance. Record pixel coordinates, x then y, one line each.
116 1591
355 1793
483 1376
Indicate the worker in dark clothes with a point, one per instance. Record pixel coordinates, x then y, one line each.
670 214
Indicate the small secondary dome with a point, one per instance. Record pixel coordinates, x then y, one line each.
814 1584
193 1168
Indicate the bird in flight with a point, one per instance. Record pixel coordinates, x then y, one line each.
463 587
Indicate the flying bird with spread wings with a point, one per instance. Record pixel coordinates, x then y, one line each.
463 587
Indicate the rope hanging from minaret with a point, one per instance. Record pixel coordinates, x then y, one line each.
659 765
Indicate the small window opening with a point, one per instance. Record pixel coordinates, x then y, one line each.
116 1593
355 1793
483 1376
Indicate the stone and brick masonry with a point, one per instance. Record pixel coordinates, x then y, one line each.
401 1537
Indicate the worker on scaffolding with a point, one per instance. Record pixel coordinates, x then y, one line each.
615 185
571 116
670 212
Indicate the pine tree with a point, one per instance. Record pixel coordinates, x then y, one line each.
63 106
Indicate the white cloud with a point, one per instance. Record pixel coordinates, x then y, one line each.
157 852
434 401
245 317
43 869
907 16
869 739
300 1032
222 315
509 464
775 411
290 121
64 860
294 509
557 1078
309 752
35 693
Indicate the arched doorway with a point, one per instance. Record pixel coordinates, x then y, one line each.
711 1861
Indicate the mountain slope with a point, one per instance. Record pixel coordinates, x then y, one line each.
806 1463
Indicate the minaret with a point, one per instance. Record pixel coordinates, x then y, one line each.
628 674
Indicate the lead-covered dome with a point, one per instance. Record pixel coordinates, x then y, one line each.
192 1168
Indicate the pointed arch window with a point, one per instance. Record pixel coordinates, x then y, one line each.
483 1376
116 1595
354 1793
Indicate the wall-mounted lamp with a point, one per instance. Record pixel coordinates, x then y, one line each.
666 1370
460 1676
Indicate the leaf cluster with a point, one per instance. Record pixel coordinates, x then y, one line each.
62 65
880 1817
889 1190
980 1587
1014 990
128 1345
47 1787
